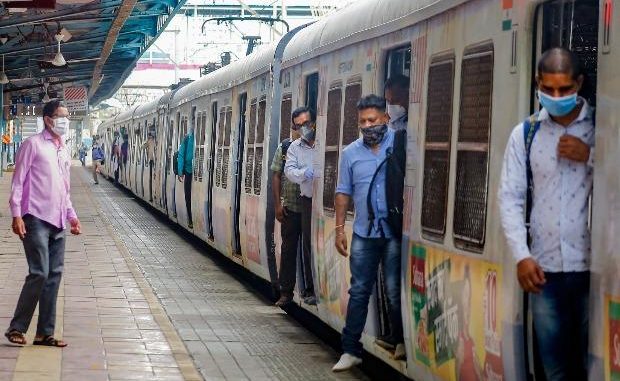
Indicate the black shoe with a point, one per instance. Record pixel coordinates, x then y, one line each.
284 300
310 300
190 225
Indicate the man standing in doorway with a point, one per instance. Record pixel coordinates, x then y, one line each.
547 174
374 240
299 170
149 146
186 170
41 204
287 201
397 98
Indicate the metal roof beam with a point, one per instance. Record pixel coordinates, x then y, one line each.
7 90
122 15
57 15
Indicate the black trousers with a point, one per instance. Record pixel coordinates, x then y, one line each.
306 232
290 230
151 164
187 186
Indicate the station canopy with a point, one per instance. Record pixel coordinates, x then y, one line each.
75 49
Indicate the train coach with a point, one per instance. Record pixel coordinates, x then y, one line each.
471 67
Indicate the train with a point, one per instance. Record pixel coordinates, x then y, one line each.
471 65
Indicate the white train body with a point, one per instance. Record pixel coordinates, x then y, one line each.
471 68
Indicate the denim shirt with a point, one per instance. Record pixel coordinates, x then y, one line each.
357 167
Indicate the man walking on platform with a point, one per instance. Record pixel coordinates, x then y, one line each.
186 170
40 204
98 157
547 174
287 201
299 169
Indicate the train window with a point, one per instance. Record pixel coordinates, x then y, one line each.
199 146
332 143
286 111
470 201
227 127
249 162
260 127
437 148
249 156
252 127
398 62
312 92
258 168
350 130
220 150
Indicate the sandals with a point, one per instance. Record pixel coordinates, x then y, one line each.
50 341
15 337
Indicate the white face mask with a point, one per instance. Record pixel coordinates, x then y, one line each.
395 111
61 126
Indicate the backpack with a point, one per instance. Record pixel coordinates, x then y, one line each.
175 163
394 162
531 125
285 144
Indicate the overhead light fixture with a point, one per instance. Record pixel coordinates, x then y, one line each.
59 60
46 98
3 39
66 36
3 78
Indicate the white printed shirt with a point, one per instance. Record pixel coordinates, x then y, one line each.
299 158
562 188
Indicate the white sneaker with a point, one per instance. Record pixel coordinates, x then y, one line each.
399 352
346 362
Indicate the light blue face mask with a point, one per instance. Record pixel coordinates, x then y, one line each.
558 106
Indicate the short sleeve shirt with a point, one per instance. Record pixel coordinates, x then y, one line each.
290 191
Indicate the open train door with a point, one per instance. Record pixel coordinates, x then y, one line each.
238 175
572 24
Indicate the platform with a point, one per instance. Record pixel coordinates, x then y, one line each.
138 302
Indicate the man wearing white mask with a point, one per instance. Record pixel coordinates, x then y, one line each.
396 91
40 204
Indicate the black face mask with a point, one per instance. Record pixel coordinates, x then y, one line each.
374 135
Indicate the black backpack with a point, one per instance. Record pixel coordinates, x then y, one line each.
394 162
285 144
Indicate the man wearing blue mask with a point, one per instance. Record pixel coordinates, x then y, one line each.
300 170
547 177
374 239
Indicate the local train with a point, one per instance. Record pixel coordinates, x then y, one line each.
471 66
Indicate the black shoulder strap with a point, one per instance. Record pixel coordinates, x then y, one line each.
285 144
530 128
371 211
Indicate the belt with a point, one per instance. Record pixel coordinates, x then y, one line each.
306 197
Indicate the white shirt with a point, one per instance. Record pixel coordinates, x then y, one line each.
299 158
559 217
398 124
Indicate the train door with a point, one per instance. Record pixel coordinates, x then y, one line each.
211 169
243 99
397 63
143 156
573 25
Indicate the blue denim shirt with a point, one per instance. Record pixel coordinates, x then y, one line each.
357 166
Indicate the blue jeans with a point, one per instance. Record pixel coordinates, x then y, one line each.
366 254
560 314
45 252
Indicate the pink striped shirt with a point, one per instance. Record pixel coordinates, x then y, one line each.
41 181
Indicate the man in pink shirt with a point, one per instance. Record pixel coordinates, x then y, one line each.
40 204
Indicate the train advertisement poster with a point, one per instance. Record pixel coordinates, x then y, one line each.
252 229
456 315
333 272
612 339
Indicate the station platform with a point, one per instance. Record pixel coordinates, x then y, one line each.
139 302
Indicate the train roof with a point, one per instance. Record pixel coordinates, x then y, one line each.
360 21
147 108
228 76
125 115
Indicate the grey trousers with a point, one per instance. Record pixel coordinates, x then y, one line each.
45 252
96 163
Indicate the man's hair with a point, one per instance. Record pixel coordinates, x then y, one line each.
301 110
559 61
397 81
371 101
50 107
